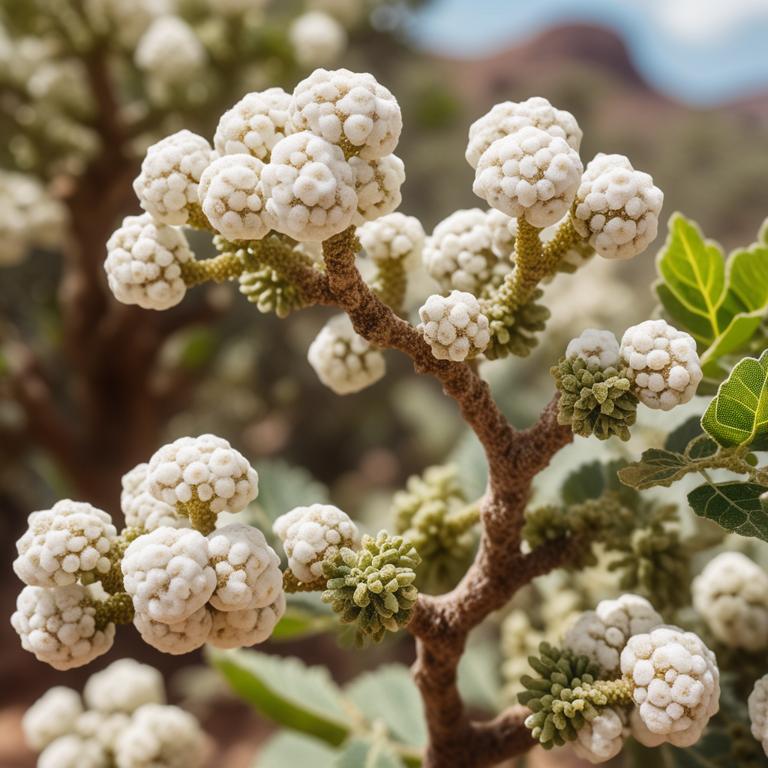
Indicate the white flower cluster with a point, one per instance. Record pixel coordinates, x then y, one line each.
311 534
731 594
757 705
63 544
377 185
598 349
392 237
317 39
503 233
617 208
602 634
509 117
125 725
178 637
529 174
169 51
141 509
676 684
453 326
601 738
170 174
342 359
460 253
662 363
143 264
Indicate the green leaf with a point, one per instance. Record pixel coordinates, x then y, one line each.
285 690
478 676
656 467
591 481
304 616
679 438
734 506
389 695
738 414
360 753
292 749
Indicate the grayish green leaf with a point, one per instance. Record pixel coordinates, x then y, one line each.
292 749
734 506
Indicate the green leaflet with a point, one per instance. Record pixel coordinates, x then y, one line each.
361 753
292 749
304 616
720 303
738 414
734 506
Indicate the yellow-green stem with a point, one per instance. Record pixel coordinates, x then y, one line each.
390 283
225 266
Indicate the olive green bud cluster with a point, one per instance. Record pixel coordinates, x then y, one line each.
513 330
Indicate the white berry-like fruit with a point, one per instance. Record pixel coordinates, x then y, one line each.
178 637
598 349
453 326
377 184
144 263
529 174
317 39
392 237
124 686
311 534
662 363
242 629
53 715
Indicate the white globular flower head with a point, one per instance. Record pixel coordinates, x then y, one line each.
161 736
53 715
392 237
169 50
167 574
459 254
242 629
58 625
102 728
731 594
311 534
247 569
602 634
342 359
178 637
454 326
662 364
170 173
254 125
617 208
350 109
503 232
509 116
73 751
144 260
141 509
65 543
601 738
232 197
377 184
598 349
529 174
309 188
206 469
757 705
675 680
317 39
124 686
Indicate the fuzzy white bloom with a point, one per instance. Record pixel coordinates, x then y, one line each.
242 629
394 236
342 359
170 51
617 208
141 509
459 254
731 594
64 543
177 638
598 349
232 198
662 362
350 109
170 174
167 575
123 687
247 569
58 625
161 736
601 738
757 704
317 39
310 188
53 715
503 232
310 534
453 326
676 682
255 124
72 751
102 728
377 184
207 468
602 634
640 732
529 174
143 264
509 117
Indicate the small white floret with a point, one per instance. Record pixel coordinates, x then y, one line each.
454 326
598 349
53 715
123 687
242 629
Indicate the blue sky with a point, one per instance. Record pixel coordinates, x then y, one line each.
699 51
